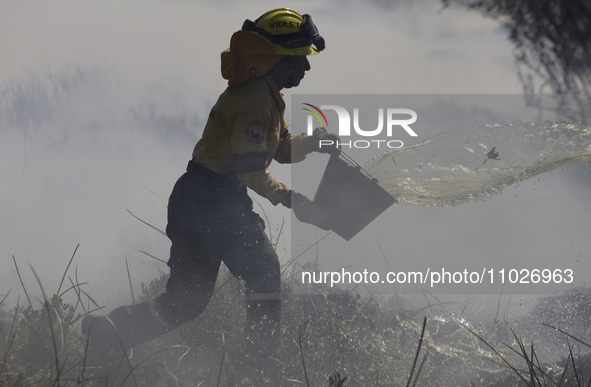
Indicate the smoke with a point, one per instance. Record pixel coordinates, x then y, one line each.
80 149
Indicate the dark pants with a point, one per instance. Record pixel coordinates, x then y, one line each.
210 221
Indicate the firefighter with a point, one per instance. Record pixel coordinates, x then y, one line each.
210 216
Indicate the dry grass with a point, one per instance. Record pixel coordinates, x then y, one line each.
332 339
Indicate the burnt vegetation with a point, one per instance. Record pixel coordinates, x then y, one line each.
329 339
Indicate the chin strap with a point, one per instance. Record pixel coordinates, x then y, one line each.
290 75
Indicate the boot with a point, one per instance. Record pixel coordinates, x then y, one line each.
125 328
99 335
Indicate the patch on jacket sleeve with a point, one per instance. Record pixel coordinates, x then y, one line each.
255 132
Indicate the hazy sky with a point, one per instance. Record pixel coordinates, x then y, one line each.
104 81
417 48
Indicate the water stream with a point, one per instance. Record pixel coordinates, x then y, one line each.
477 162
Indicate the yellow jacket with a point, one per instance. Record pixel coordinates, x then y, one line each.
245 131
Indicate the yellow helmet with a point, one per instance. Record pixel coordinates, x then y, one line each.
290 32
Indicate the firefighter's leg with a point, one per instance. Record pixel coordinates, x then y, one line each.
191 283
255 261
263 304
194 262
188 291
122 329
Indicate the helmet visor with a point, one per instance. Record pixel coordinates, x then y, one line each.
307 36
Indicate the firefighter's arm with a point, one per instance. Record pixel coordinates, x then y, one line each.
293 149
251 168
263 183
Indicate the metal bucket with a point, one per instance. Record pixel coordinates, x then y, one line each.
350 196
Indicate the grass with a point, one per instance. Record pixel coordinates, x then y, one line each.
332 339
43 345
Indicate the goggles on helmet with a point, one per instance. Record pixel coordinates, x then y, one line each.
307 35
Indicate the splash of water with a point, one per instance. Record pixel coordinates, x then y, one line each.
471 164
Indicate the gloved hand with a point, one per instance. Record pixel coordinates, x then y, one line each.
307 211
329 142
